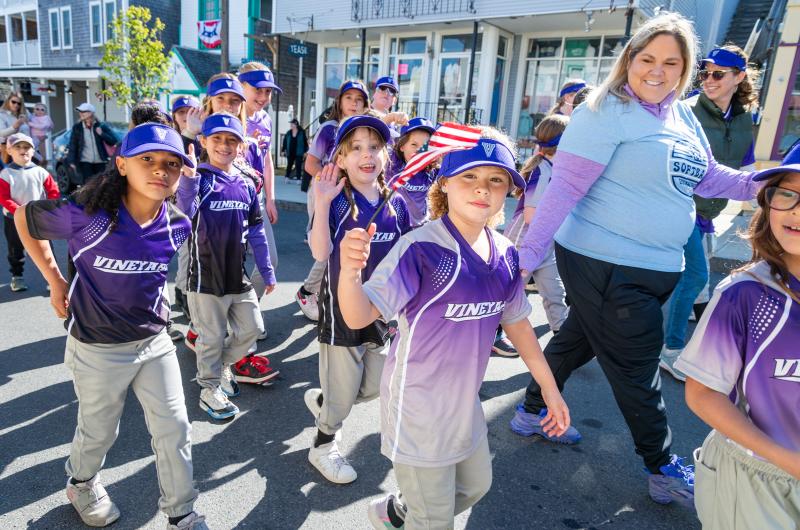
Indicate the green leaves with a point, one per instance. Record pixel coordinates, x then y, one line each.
134 61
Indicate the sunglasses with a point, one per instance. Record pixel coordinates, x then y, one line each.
782 199
716 74
38 108
387 90
13 102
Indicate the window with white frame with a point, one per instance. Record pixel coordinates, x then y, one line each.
55 28
343 64
101 21
407 63
66 28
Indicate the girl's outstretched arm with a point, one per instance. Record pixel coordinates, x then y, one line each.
719 412
42 255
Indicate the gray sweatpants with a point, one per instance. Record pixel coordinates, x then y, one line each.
347 375
182 274
212 316
551 288
431 497
101 374
313 281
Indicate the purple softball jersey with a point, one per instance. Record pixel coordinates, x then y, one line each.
259 126
118 273
448 303
322 148
415 191
746 346
391 224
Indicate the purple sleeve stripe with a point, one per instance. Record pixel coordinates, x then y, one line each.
724 182
572 177
258 240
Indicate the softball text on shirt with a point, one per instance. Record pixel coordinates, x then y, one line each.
746 346
390 226
117 278
448 303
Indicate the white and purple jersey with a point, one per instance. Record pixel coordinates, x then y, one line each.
746 346
415 191
448 303
391 224
324 142
534 188
259 126
226 213
117 273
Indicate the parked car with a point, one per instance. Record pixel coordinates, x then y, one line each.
61 148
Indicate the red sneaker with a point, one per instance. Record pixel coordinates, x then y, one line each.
191 338
254 369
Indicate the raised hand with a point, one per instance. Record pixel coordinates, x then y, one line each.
327 185
354 248
187 171
194 121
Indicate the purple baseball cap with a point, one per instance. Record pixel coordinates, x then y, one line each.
260 79
572 88
414 124
387 81
488 152
355 85
220 86
185 101
728 59
362 120
153 137
790 164
218 123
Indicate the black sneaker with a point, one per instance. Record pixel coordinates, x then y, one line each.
503 347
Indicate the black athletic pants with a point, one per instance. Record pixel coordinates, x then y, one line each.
294 162
16 252
615 316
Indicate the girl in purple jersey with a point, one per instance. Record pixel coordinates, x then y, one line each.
350 358
352 100
226 218
121 232
743 373
414 137
449 283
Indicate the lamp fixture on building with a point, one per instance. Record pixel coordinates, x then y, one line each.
589 21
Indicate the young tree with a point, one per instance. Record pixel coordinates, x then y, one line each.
134 58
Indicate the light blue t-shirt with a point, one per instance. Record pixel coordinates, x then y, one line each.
640 211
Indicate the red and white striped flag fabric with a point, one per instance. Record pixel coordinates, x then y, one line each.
448 137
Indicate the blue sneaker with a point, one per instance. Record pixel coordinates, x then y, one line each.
527 424
674 483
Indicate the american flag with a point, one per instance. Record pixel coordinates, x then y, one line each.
448 137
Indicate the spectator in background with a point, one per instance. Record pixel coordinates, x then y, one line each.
41 126
295 145
13 119
88 146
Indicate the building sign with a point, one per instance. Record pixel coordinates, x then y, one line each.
209 33
39 89
298 49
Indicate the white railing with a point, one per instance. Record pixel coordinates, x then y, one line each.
18 53
32 53
23 53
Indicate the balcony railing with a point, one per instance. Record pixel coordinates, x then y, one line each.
382 9
440 112
23 53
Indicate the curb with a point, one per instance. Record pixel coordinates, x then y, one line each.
291 206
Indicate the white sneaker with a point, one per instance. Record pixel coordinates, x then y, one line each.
227 382
311 397
193 521
92 502
308 304
18 284
264 335
330 462
667 362
216 404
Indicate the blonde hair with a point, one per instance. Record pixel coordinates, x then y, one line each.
21 111
207 100
673 24
253 66
437 198
550 127
345 147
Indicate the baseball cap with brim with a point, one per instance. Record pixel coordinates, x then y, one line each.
153 137
221 123
354 122
185 101
17 138
414 124
355 85
260 79
488 152
790 164
728 59
222 85
571 88
86 107
387 81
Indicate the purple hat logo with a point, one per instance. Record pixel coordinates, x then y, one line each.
161 133
488 149
229 83
226 121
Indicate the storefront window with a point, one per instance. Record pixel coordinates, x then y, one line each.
407 66
453 76
342 64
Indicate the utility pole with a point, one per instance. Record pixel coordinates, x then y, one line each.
224 64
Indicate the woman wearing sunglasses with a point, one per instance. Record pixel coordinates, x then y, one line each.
13 119
724 109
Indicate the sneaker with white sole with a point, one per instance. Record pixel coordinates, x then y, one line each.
92 502
502 346
667 362
308 303
675 482
330 462
255 369
378 514
527 423
216 404
227 382
263 335
18 284
193 521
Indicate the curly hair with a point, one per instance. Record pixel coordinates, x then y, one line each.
765 246
104 192
437 198
148 110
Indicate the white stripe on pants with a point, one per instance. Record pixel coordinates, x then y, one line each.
433 496
182 274
211 317
347 375
101 375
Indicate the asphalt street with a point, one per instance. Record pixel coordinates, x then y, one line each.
253 472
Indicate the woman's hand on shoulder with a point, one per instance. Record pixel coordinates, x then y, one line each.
327 184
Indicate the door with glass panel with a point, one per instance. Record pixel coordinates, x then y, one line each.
408 64
453 77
